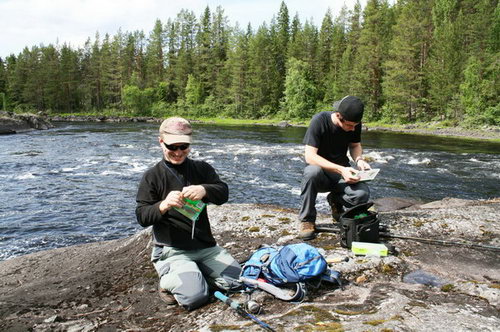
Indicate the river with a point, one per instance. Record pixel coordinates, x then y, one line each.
76 183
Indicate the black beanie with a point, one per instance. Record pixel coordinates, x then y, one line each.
351 108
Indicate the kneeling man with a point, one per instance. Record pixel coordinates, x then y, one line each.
185 254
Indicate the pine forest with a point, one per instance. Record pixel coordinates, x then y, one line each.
408 60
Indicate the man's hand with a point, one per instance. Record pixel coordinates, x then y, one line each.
174 198
349 175
194 193
362 165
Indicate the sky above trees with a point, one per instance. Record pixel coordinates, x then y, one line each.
34 22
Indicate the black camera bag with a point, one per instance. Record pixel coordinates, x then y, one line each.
359 224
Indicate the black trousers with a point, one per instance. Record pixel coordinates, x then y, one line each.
316 180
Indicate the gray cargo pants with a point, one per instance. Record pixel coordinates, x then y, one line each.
316 180
188 274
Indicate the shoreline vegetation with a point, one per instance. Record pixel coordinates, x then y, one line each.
11 123
490 133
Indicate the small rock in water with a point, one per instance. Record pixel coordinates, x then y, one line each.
424 278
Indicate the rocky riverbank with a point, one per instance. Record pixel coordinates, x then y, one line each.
111 286
485 133
479 133
11 123
102 118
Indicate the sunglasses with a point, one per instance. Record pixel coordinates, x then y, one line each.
172 147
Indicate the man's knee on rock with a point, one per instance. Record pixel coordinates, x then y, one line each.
193 301
193 291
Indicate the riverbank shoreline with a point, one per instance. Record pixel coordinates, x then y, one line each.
490 133
11 125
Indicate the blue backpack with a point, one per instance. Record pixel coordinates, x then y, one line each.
292 263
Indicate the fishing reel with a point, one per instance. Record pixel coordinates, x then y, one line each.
252 307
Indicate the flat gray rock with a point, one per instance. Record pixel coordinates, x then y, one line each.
112 286
394 203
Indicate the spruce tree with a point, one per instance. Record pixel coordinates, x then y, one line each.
10 90
263 74
333 89
325 47
372 52
3 76
444 66
221 75
3 85
204 53
345 82
185 59
173 45
295 45
114 74
106 73
310 43
238 65
84 86
404 86
493 37
34 85
95 75
154 58
69 80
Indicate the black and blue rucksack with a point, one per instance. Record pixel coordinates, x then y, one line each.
293 264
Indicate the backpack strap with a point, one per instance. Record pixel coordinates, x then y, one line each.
333 277
280 293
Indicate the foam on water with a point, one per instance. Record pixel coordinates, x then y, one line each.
25 176
379 157
78 182
416 161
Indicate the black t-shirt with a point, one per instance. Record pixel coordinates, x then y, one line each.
331 140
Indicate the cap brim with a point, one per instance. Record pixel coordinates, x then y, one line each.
172 139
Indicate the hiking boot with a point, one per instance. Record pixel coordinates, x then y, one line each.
307 231
166 296
337 208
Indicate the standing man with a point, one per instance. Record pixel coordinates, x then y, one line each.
329 136
185 254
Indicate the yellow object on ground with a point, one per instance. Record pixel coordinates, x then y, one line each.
367 249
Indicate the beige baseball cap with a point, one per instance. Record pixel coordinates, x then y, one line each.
176 130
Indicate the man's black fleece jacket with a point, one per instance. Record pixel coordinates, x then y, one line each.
172 228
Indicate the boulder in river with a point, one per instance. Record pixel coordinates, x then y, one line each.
11 123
